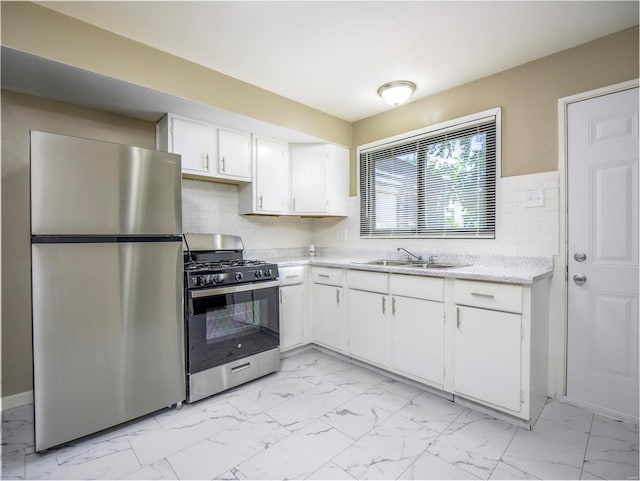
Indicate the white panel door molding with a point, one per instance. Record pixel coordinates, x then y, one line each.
602 242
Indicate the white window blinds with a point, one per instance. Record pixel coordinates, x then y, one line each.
439 184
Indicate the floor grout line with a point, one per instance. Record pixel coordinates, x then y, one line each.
586 448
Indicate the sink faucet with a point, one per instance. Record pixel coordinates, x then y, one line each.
411 254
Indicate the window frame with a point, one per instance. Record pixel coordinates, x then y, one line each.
429 131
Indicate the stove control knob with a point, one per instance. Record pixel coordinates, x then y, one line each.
258 274
217 279
204 280
267 272
238 276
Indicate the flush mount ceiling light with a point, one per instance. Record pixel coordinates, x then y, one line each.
396 92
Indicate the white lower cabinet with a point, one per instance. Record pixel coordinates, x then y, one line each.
369 326
327 295
397 323
291 307
367 316
417 328
501 345
488 356
484 342
417 338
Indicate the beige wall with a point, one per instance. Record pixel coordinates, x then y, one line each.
528 95
20 113
39 31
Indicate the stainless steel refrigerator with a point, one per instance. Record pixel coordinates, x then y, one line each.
107 274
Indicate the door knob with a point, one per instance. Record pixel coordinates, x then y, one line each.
580 279
580 256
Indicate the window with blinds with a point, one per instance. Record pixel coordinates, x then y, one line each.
437 184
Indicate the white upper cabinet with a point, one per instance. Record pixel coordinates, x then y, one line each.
234 154
207 153
195 141
319 179
269 192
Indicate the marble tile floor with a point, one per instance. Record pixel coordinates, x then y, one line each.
324 418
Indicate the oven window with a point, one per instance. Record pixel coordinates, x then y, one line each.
233 320
225 327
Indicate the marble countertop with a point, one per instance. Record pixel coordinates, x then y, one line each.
519 270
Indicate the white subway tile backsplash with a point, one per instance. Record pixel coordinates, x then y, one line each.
209 207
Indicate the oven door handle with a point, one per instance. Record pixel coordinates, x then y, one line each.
218 291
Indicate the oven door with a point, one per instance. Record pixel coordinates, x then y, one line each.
229 323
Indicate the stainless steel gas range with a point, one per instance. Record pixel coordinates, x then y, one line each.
231 315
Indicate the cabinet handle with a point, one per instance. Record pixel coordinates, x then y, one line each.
458 317
293 277
260 202
324 275
222 167
280 293
294 204
384 304
205 161
393 306
337 296
481 294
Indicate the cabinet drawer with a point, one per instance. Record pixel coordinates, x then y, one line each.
489 295
418 287
328 276
368 281
292 275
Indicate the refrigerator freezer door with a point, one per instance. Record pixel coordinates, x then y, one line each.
108 335
87 187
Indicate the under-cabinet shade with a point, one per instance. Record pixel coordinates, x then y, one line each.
396 92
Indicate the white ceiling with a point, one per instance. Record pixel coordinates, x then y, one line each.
334 55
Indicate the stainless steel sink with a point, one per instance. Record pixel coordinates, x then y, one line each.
433 265
421 265
385 262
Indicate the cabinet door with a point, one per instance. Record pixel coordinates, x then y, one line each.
291 331
369 326
338 180
488 356
194 141
417 338
309 179
272 176
327 315
234 154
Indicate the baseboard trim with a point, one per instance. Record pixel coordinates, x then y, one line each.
17 400
609 413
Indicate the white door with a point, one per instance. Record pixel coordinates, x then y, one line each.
602 349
